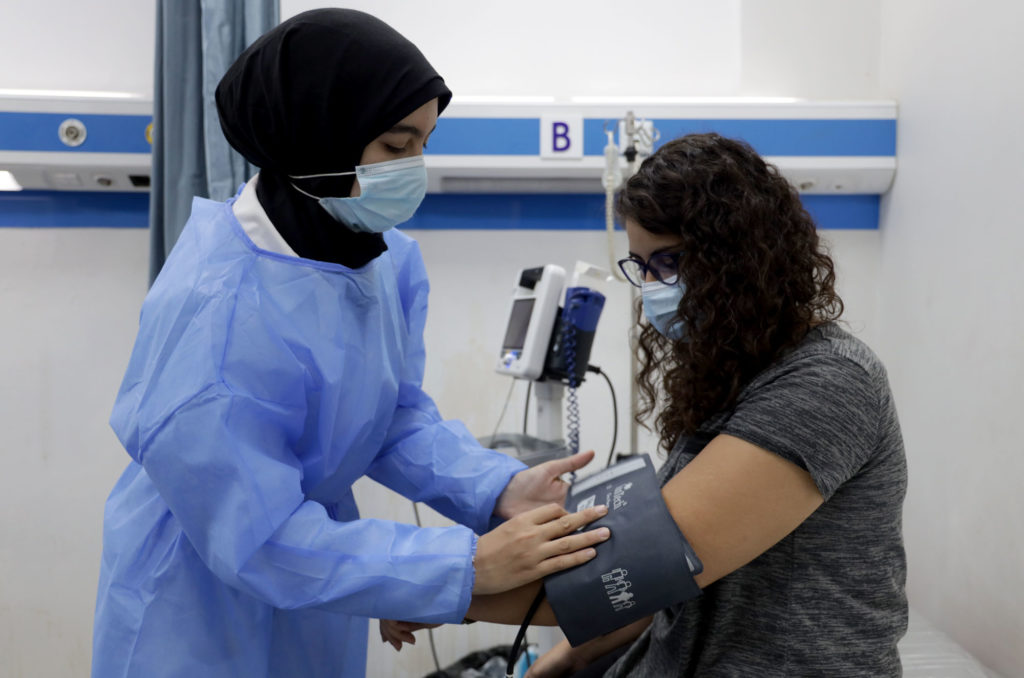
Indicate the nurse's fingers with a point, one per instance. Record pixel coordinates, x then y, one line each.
510 555
393 633
559 563
575 542
544 514
414 626
571 522
570 464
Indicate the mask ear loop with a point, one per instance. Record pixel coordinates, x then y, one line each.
305 193
315 176
320 176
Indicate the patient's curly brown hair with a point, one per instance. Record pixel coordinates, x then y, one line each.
757 278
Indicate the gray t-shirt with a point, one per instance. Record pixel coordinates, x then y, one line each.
828 600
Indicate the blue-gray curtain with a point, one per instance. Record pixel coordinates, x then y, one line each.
196 42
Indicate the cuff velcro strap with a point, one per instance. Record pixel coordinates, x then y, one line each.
645 566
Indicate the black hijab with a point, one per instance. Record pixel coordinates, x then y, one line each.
306 98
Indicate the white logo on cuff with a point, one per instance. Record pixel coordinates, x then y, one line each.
616 587
619 495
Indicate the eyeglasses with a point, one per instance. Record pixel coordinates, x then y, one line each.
663 267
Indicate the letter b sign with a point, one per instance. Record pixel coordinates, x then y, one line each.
561 136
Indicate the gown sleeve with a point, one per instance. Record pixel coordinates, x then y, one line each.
425 458
223 465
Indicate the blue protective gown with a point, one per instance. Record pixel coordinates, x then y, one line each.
261 386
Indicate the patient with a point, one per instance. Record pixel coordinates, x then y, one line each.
785 467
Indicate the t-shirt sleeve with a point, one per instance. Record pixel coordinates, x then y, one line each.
820 412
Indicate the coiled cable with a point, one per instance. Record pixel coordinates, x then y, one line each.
573 407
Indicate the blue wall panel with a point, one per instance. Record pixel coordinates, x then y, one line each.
60 209
511 136
104 133
492 136
486 136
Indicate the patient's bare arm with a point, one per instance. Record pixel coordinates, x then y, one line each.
511 606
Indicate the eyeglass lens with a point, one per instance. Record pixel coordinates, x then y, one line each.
664 266
633 270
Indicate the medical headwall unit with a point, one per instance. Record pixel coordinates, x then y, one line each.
828 149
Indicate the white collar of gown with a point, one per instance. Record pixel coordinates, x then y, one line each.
256 223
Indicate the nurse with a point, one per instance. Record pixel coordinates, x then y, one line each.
279 358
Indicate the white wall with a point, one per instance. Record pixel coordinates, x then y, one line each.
570 47
818 49
104 45
69 299
951 312
69 305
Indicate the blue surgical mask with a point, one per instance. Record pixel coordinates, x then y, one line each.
661 306
389 193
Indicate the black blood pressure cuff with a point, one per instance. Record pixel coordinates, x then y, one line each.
645 565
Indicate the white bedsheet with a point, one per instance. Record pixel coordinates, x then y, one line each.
929 653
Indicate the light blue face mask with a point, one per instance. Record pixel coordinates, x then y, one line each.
389 193
661 306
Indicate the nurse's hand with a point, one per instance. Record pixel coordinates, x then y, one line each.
539 485
533 545
398 632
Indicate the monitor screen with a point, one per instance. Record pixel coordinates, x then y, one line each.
518 323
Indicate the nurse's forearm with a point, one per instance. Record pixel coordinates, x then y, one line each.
511 606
